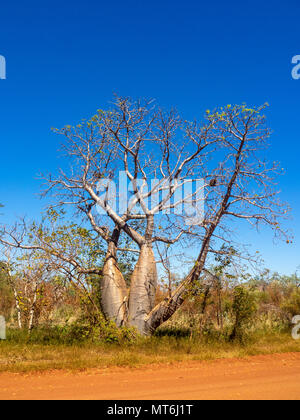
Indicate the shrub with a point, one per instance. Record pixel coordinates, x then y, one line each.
244 308
291 306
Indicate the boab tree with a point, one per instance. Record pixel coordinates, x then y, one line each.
161 156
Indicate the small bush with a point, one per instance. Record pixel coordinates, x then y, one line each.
76 333
244 308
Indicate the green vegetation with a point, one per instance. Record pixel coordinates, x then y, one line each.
231 320
80 287
18 354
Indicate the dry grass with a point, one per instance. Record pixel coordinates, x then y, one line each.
21 357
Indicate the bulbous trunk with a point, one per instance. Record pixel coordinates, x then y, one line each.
113 288
143 289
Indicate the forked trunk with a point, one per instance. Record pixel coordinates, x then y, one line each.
143 289
113 286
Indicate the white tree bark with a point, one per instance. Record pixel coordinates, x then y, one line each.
32 308
19 313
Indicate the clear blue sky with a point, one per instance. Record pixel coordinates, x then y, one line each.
65 59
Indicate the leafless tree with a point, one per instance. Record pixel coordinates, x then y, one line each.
25 276
54 249
161 155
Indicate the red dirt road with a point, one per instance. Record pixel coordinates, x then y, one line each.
259 377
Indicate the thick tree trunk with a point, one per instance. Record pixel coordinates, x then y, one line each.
143 289
113 287
164 310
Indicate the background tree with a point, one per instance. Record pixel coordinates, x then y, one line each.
64 251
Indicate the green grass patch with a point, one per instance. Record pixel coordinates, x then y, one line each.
44 350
